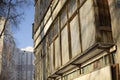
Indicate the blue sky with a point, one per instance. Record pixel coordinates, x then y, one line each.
23 36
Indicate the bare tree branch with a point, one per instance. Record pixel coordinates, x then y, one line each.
11 10
6 18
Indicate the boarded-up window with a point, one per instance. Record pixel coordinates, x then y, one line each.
63 17
72 6
57 53
65 50
104 15
87 24
104 22
75 36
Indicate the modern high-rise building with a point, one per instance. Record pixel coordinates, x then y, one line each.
15 64
77 39
24 64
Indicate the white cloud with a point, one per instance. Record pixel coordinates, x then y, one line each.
29 48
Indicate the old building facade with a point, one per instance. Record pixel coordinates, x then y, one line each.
77 39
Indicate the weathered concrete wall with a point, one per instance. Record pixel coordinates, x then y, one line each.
41 7
115 22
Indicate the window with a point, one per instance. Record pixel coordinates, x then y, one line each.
50 36
87 24
63 17
75 36
51 55
72 6
57 53
65 48
98 63
118 3
55 27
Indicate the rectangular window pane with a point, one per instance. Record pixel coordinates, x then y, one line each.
50 36
55 25
65 50
51 54
63 17
57 53
87 24
72 6
75 39
118 3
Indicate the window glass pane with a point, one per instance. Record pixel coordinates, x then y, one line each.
57 53
51 54
118 3
63 17
87 24
50 36
42 35
55 27
73 75
65 50
93 66
98 64
72 6
75 39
